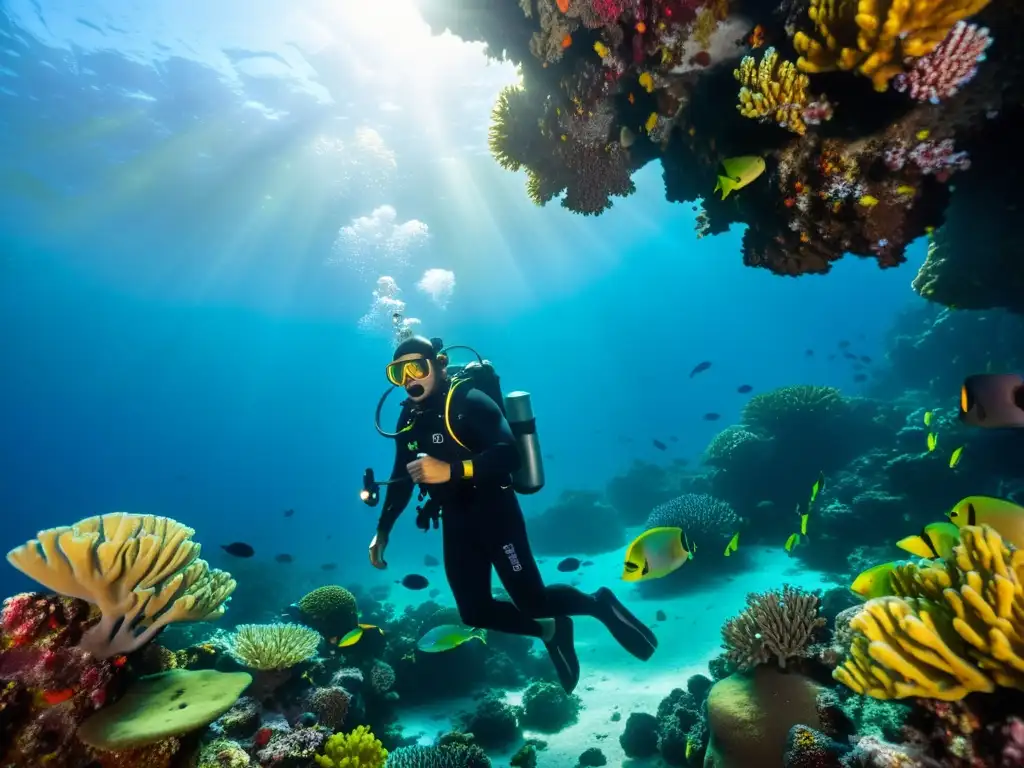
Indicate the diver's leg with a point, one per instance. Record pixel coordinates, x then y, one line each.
467 565
518 571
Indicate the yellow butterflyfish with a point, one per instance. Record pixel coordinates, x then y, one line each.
733 544
656 553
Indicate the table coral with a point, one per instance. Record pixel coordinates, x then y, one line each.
143 572
874 37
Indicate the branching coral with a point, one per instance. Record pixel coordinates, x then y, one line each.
874 37
773 89
939 75
780 623
143 572
273 646
955 627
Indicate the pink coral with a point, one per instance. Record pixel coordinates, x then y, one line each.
1013 750
940 74
608 10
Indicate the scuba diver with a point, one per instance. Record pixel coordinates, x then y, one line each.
455 442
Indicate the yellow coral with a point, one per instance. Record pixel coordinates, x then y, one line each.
907 647
773 89
142 572
957 627
358 749
874 37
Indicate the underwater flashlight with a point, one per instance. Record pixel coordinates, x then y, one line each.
370 493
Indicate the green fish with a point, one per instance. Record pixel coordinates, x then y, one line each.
448 636
874 582
818 487
739 171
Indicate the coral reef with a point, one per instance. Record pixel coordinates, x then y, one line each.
608 87
546 707
141 571
955 628
558 531
779 624
331 610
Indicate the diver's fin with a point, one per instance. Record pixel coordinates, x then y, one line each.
562 650
631 633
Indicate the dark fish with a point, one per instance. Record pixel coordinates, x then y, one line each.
430 561
809 353
700 367
844 344
585 563
238 549
548 456
289 512
284 557
849 355
659 445
328 566
660 616
415 581
744 388
861 377
712 416
569 565
434 593
674 439
865 359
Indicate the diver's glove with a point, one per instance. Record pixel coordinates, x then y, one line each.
428 513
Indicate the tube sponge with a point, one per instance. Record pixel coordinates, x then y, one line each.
954 627
874 37
143 572
358 749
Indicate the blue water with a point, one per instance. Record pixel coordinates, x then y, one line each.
174 342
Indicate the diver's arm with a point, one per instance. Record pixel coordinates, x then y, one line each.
489 436
398 494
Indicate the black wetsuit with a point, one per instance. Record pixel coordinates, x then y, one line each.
482 522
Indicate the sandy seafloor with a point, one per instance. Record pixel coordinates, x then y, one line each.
611 679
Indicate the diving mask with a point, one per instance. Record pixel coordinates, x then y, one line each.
402 371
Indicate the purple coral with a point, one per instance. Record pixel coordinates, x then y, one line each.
938 158
1013 749
938 75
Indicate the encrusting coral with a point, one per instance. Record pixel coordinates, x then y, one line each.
778 624
143 572
273 646
874 37
773 90
955 626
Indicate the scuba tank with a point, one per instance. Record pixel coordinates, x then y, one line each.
529 478
517 408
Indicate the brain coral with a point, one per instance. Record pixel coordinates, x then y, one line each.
330 609
698 514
